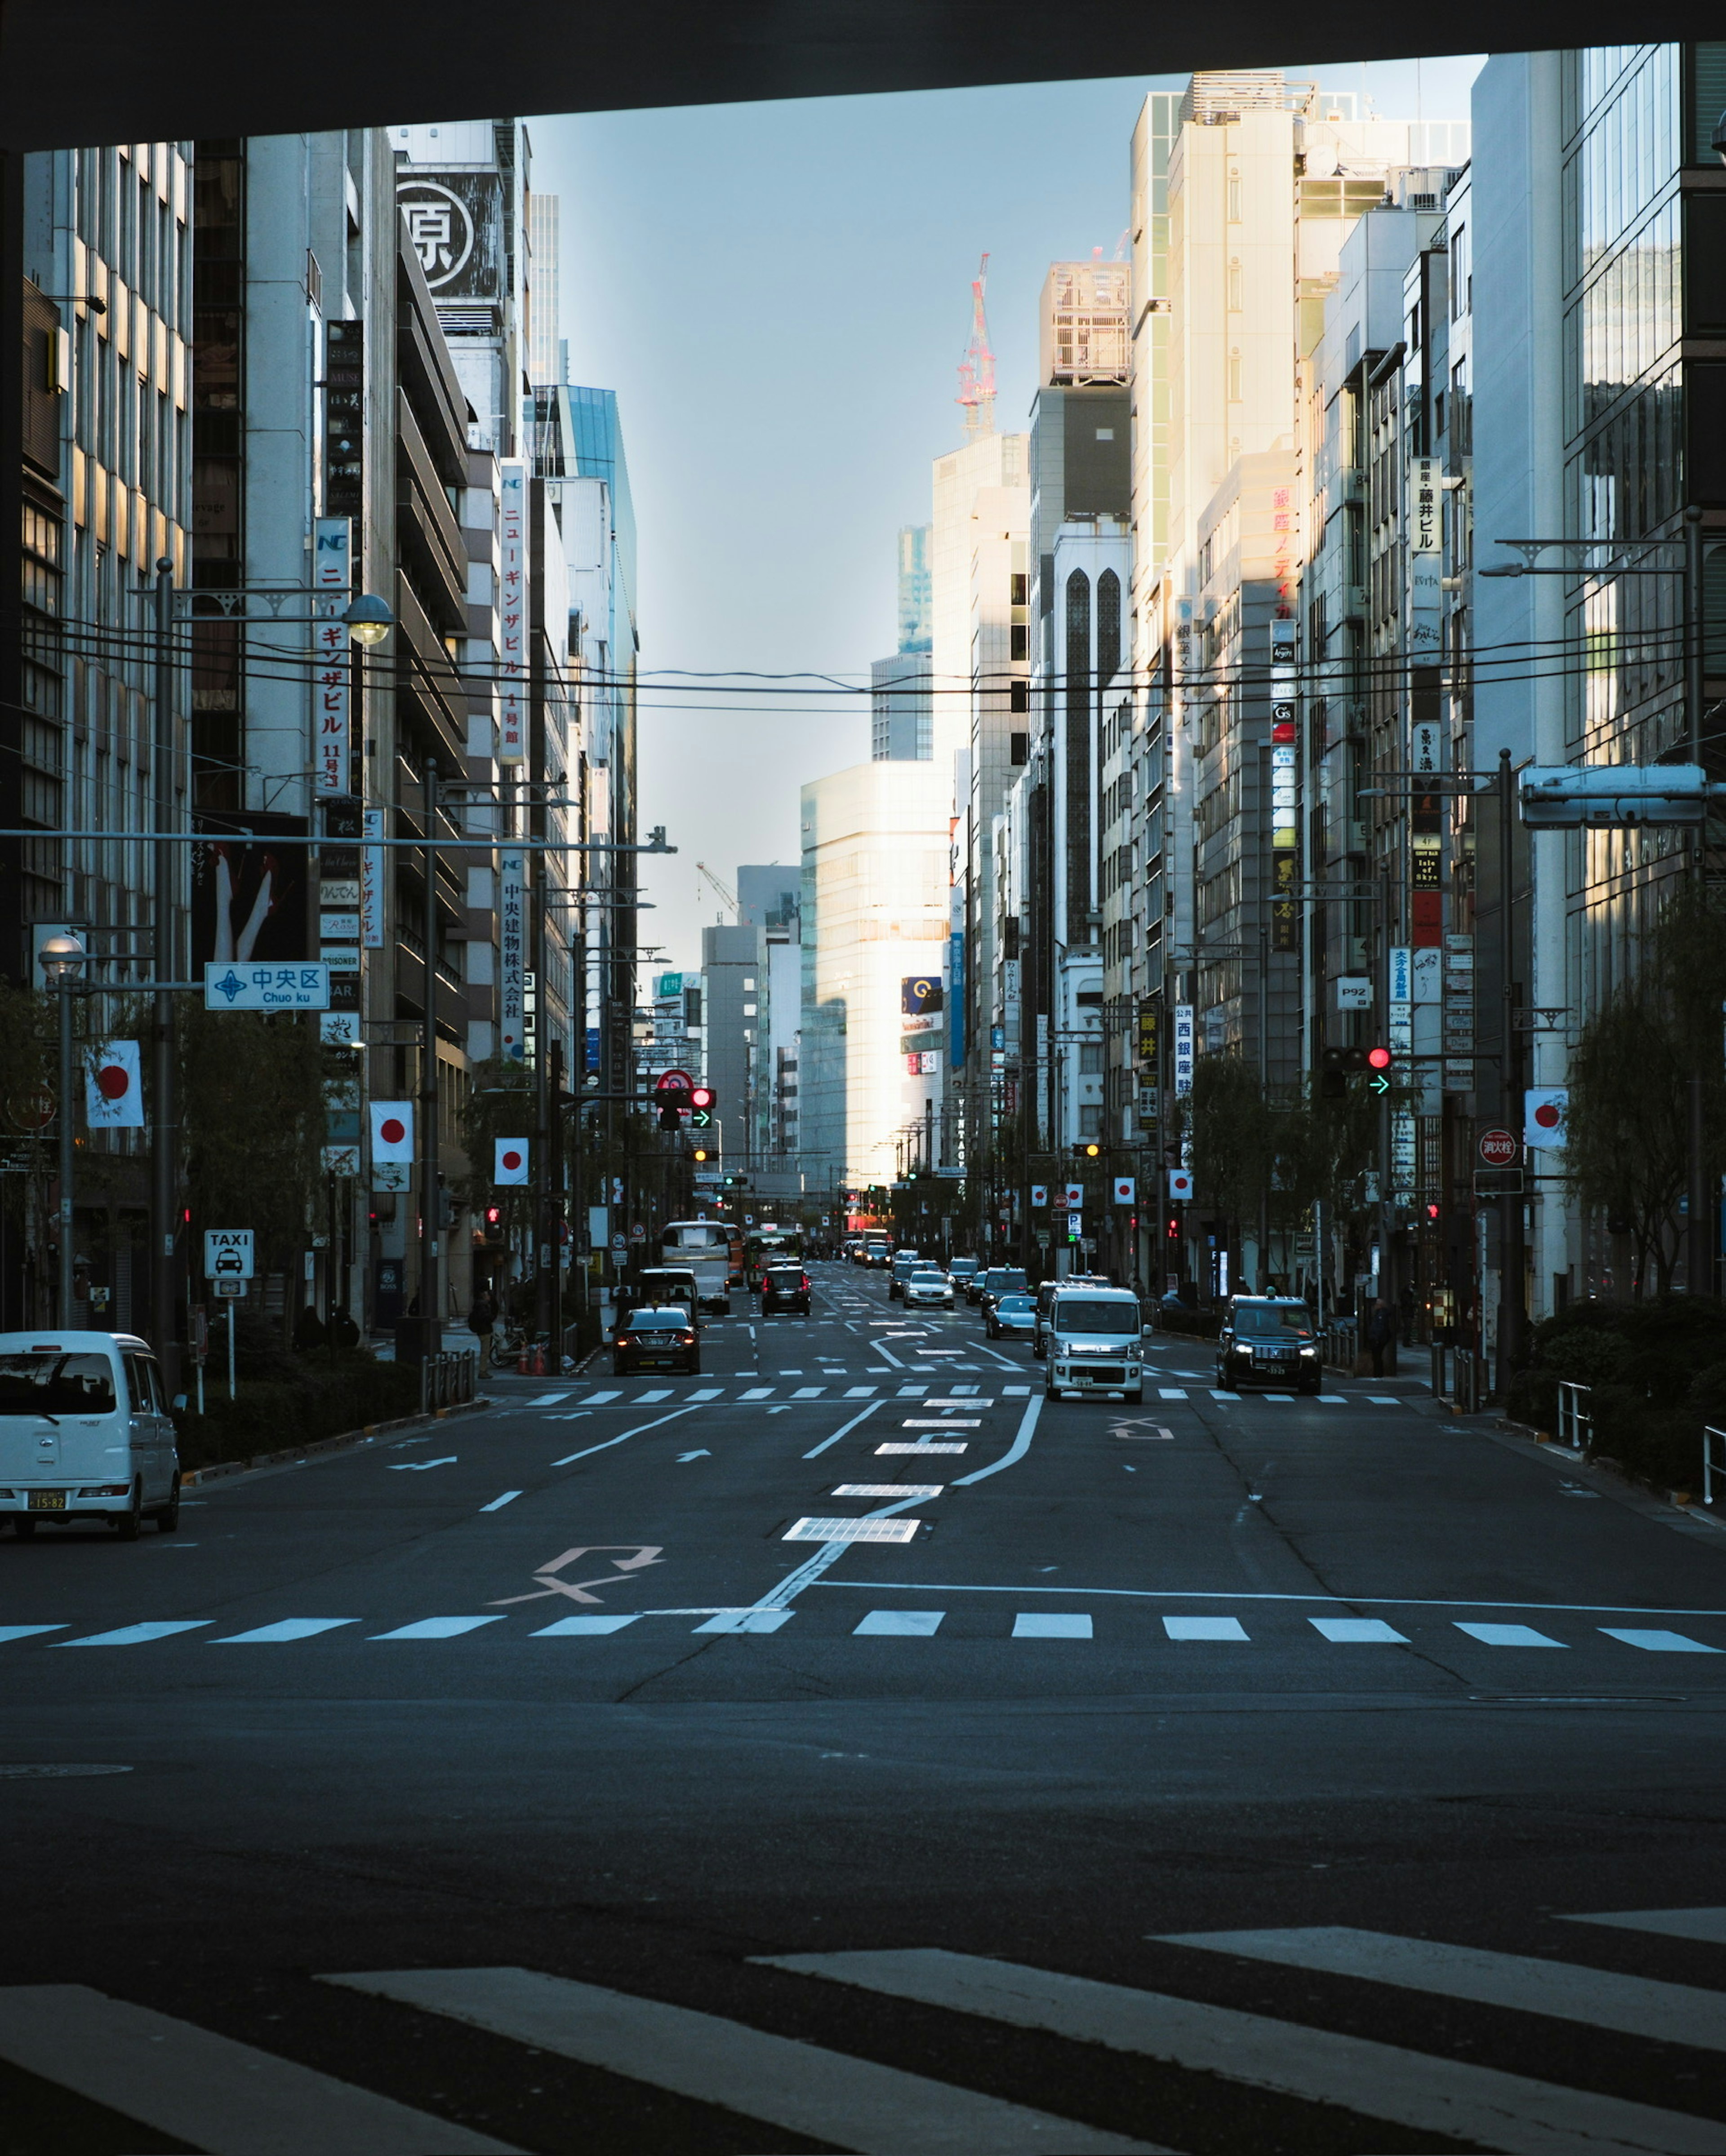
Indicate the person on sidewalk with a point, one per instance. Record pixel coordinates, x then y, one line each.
480 1319
1381 1333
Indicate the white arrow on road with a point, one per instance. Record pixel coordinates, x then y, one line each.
703 1455
419 1466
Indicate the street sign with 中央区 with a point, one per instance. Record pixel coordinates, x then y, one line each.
304 985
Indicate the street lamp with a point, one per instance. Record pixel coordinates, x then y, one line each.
61 959
369 619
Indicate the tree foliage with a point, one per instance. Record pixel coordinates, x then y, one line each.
500 1104
1235 1137
252 1123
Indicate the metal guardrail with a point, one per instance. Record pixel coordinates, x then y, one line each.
1710 1466
1339 1344
1460 1375
1576 1421
446 1381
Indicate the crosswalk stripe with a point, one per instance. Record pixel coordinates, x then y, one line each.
804 2088
1171 1393
437 1628
1634 2005
1707 1925
1502 2111
1049 1624
899 1625
658 1392
137 1635
758 1393
860 1392
747 1620
1657 1642
1507 1635
289 1628
578 1628
596 1399
1358 1631
715 1393
26 1631
208 2090
1205 1628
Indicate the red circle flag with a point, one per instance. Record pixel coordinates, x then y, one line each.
512 1159
1548 1115
391 1129
112 1081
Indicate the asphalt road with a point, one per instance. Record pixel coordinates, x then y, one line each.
1217 1774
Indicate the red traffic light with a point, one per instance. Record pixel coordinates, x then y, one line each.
700 1096
1378 1059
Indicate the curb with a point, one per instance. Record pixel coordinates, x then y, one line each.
1643 1497
221 1470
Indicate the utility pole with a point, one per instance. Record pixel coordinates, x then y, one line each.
1699 1266
431 1306
165 1182
1511 1301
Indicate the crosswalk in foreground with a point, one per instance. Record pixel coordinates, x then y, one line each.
216 2093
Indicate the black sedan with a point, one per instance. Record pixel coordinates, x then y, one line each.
1014 1314
660 1338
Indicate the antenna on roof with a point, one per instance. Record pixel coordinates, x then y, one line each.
977 369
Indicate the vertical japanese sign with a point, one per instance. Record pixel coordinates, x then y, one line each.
511 931
1425 536
1182 1050
512 614
1285 789
372 884
332 578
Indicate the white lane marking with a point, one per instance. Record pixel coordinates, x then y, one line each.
1217 1395
852 1531
809 1392
860 1391
1006 1362
899 1625
887 1353
207 2091
1598 1998
1047 1624
569 1459
1655 1642
1507 1635
1282 1399
805 2089
1015 1392
1497 2110
922 1445
1015 1452
1333 1399
945 1422
911 1392
1382 1400
437 1628
960 1400
137 1636
26 1631
497 1504
714 1392
758 1393
1358 1631
548 1399
1170 1393
419 1466
1708 1926
648 1399
1205 1628
700 1453
1245 1594
844 1429
888 1489
579 1627
750 1620
595 1399
289 1628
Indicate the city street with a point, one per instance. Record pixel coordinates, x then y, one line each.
1222 1772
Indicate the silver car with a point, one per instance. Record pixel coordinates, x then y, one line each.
928 1288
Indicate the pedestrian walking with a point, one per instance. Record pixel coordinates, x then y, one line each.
480 1319
1381 1333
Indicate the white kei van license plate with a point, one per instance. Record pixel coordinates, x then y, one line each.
48 1500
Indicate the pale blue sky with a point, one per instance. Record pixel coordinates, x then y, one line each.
779 294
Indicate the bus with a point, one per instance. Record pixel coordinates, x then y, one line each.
767 1246
702 1247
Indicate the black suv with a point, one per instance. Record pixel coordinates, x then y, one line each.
1268 1339
783 1288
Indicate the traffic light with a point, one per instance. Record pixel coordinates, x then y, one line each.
1432 1212
1336 1065
698 1153
1087 1149
1173 1230
702 1101
1378 1062
671 1114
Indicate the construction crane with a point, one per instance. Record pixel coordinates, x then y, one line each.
729 896
977 369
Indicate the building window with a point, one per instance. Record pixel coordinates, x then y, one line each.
1108 626
1019 748
1090 1059
1020 594
1018 696
1091 1121
1020 643
1234 201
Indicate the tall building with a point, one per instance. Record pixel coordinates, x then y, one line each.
770 899
915 626
901 702
545 341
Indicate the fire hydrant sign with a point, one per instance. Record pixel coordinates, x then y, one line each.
227 1254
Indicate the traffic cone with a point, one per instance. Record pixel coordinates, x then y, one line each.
539 1359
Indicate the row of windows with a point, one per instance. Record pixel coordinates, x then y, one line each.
1630 315
1627 158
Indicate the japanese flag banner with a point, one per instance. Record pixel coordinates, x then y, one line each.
392 1130
512 1161
1125 1189
113 1087
1545 1108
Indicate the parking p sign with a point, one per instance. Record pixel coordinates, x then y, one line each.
227 1254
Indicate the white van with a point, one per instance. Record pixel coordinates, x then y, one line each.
1094 1342
84 1433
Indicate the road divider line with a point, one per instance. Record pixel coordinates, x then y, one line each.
1016 1451
844 1430
497 1504
569 1459
285 1632
137 1636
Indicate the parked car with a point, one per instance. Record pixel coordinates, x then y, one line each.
86 1433
927 1287
660 1338
785 1289
1094 1342
1268 1337
900 1272
999 1281
1014 1315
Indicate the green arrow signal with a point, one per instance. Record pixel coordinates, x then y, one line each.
1379 1084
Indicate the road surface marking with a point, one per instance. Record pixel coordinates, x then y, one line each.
899 1625
548 1399
921 1446
1707 1925
758 1393
1382 1400
1507 1635
26 1631
641 1554
945 1422
1015 1451
851 1531
747 1620
1600 1999
206 2090
1333 1399
437 1628
887 1353
714 1393
578 1628
659 1392
960 1400
1015 1392
844 1429
809 1392
1431 2095
1205 1628
137 1636
888 1489
1170 1393
700 1453
1657 1643
1217 1395
860 1391
802 2087
288 1628
569 1459
1248 1594
595 1399
497 1504
419 1466
1046 1625
1358 1631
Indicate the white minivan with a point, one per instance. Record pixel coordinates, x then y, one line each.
84 1433
1094 1342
